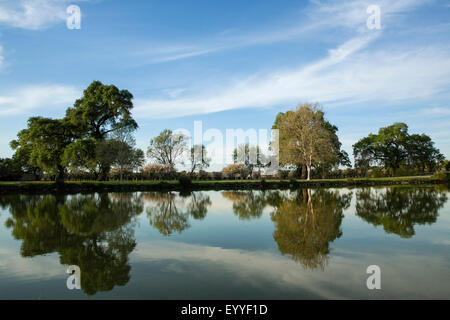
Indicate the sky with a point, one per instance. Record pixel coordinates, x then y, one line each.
231 64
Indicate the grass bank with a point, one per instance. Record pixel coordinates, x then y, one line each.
113 186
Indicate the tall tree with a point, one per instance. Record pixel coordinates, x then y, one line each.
304 138
334 155
167 148
102 110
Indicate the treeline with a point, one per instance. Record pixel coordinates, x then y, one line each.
94 141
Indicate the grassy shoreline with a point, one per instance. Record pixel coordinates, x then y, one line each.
115 186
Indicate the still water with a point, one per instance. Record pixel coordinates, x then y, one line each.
298 244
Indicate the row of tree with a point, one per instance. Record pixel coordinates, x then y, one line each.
96 135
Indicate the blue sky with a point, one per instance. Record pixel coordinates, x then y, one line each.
231 64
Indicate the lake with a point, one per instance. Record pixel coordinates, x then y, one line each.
276 244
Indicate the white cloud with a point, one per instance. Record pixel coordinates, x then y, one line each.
33 14
349 74
34 98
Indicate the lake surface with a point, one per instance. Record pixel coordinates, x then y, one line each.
302 244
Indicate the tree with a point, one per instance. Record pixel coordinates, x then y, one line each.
123 151
167 148
46 141
393 147
198 158
250 157
304 138
422 153
10 170
102 110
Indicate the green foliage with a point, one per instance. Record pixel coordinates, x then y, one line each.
394 148
102 109
10 170
439 175
76 141
307 140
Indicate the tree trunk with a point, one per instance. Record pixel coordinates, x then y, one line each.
102 174
59 179
309 172
121 175
303 172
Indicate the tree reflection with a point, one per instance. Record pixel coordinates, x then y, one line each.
94 232
247 205
398 209
170 213
306 223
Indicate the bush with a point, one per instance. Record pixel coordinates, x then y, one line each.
439 175
282 174
233 170
377 173
185 180
158 172
404 172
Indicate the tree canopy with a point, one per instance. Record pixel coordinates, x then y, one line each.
393 147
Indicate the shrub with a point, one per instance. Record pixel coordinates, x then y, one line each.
158 172
233 170
184 179
282 174
216 175
377 173
404 172
439 175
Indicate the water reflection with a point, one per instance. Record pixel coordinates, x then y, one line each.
247 205
170 213
398 209
306 223
94 232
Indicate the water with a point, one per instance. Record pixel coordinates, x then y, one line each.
303 244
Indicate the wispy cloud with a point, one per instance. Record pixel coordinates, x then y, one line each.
349 74
37 98
320 15
33 14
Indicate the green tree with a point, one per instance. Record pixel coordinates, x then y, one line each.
422 152
393 147
305 139
102 110
45 141
167 148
